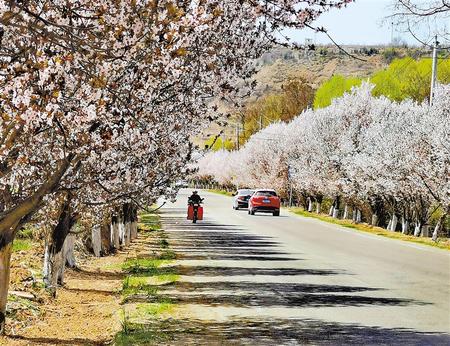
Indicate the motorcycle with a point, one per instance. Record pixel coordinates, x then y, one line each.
195 211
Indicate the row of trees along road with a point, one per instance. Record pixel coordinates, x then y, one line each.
99 100
380 160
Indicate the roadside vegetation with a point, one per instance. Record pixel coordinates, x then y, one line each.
364 227
143 307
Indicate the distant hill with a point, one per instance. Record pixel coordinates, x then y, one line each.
282 65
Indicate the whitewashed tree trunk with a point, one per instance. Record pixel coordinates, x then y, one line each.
389 224
54 258
5 259
112 233
69 255
358 216
405 225
116 233
54 262
318 208
354 215
440 223
335 213
331 211
345 212
394 222
417 229
127 233
374 220
121 231
436 230
96 240
310 202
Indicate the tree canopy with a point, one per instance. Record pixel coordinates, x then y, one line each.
404 78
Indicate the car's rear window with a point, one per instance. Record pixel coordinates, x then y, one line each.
266 193
245 192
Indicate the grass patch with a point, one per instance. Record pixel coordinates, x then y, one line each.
442 244
134 285
221 192
167 255
22 245
155 309
149 222
167 278
144 265
141 325
140 335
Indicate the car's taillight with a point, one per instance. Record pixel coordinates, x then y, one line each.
241 198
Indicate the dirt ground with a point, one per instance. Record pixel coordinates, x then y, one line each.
85 311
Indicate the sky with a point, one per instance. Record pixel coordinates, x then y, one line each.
360 22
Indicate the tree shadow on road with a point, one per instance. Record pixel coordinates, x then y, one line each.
259 273
280 332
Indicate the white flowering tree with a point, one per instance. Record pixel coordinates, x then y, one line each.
99 98
390 157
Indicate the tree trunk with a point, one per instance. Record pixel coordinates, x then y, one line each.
96 240
115 232
336 207
310 204
121 231
389 224
358 216
318 207
54 259
134 232
345 211
126 220
69 246
336 213
354 215
440 224
9 222
417 229
374 220
405 225
393 222
105 233
331 211
437 229
5 258
53 266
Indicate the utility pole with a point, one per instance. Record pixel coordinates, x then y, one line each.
434 69
223 141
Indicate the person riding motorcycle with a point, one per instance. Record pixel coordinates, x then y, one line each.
194 202
195 198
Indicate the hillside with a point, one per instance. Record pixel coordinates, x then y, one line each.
282 65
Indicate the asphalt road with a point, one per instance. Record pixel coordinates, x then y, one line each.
294 280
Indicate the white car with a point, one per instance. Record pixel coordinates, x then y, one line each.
181 184
241 198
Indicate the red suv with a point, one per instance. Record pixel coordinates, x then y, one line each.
265 201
